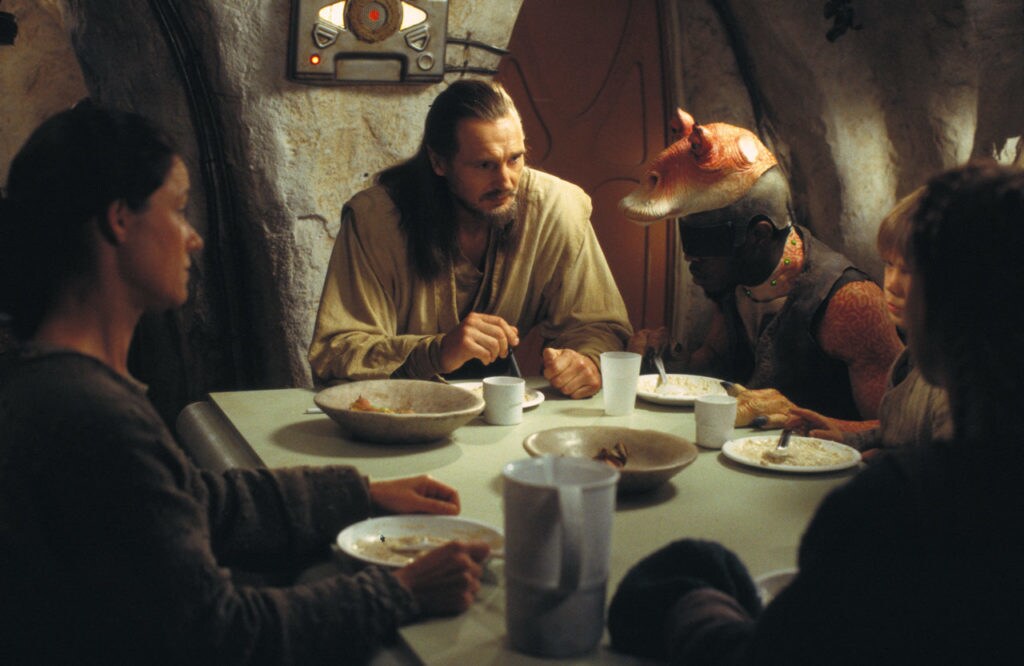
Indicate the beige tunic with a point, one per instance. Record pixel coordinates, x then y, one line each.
912 412
378 319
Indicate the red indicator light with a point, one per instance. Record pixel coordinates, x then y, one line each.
314 59
374 15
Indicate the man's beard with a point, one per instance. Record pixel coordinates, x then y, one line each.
497 218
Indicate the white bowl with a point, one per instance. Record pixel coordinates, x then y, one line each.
436 409
653 457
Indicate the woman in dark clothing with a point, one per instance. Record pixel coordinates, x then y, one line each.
918 560
115 547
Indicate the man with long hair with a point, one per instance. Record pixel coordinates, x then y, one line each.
454 254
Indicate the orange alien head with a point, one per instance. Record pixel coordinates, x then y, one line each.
708 167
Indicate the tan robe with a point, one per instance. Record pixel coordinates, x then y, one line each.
912 412
377 319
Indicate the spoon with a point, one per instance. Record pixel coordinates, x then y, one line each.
779 453
663 377
663 386
783 443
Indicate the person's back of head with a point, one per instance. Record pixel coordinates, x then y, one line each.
421 196
61 182
893 239
967 237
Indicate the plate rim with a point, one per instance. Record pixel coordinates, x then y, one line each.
729 452
527 403
406 516
661 399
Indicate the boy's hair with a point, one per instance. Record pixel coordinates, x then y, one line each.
895 229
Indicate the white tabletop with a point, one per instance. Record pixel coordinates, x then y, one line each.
758 514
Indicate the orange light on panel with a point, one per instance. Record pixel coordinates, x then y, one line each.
314 59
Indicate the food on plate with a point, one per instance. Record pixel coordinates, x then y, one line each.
398 550
677 389
361 404
615 457
802 452
775 457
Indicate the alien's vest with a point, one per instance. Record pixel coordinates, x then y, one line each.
787 355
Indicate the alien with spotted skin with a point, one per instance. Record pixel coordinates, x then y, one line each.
795 321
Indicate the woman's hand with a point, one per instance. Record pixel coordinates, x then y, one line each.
417 494
813 424
445 580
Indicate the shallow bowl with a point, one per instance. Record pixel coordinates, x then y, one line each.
653 457
436 409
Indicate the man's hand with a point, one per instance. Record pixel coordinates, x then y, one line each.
571 372
648 339
483 336
417 494
445 580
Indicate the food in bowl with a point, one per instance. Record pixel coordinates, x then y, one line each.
653 457
405 410
615 457
361 404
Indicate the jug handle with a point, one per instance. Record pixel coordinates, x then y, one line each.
570 506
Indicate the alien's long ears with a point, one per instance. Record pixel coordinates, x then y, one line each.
680 125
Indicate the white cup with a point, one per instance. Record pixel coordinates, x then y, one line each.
558 531
620 372
503 398
715 415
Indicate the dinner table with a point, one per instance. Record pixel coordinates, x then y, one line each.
760 514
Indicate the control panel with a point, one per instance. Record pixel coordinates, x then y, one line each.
368 41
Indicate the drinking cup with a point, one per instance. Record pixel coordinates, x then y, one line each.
503 400
715 416
558 520
620 372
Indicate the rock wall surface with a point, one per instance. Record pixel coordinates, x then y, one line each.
909 89
857 122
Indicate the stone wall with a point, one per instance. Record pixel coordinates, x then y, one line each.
860 121
856 122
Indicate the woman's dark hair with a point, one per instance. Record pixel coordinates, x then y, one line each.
60 183
966 244
421 196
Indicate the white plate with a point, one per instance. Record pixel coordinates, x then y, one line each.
806 454
533 396
363 539
769 585
680 390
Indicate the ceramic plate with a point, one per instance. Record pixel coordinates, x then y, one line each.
393 541
680 390
533 396
769 585
805 455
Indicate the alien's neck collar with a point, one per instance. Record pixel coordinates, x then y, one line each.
782 279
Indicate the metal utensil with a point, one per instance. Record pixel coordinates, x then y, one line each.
659 363
513 364
783 443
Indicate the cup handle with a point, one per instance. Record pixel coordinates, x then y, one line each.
570 506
